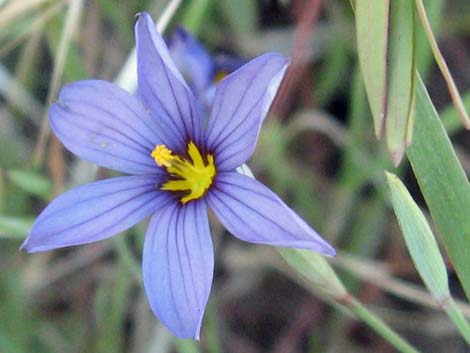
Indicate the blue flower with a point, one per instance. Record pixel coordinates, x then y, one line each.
179 164
192 59
200 70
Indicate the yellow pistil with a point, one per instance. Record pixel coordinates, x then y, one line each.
193 175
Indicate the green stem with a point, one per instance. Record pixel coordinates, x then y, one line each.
127 257
211 331
458 319
453 91
379 326
185 346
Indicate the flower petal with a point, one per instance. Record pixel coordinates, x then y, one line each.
241 102
104 124
253 213
178 265
192 59
95 211
163 89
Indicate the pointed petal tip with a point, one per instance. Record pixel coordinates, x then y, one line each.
143 14
143 19
197 333
181 333
32 248
321 247
23 246
329 251
279 59
178 243
162 88
27 246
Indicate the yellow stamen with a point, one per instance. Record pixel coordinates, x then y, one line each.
162 156
194 176
220 75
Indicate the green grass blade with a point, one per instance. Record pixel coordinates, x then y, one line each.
15 227
318 272
455 314
316 269
419 240
185 346
443 183
425 252
424 58
386 49
372 22
451 86
380 327
401 77
31 182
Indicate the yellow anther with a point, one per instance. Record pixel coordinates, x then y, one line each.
193 175
220 75
162 156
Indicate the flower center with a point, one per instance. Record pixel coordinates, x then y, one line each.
193 175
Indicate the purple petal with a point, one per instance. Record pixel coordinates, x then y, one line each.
241 102
163 89
104 124
253 213
228 63
192 59
95 211
178 265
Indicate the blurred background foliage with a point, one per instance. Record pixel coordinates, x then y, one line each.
317 150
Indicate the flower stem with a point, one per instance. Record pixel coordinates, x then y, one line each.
378 325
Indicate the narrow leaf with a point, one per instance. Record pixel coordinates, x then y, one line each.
386 45
15 227
425 252
316 269
456 315
443 183
32 182
424 55
372 38
401 76
453 91
419 240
